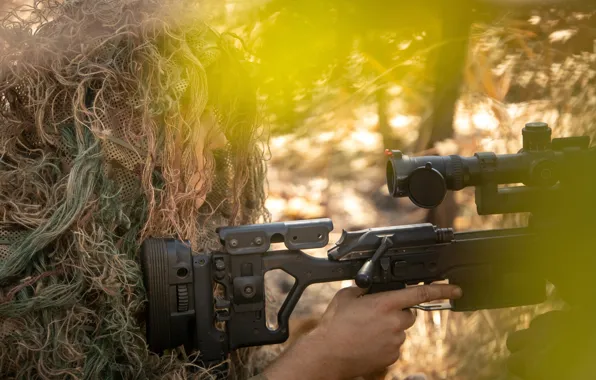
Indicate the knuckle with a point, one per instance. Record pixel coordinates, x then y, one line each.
389 359
401 321
400 338
412 318
343 293
395 354
398 326
335 303
407 319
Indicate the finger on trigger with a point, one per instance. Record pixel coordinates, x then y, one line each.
412 296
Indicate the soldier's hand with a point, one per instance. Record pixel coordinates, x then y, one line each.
358 334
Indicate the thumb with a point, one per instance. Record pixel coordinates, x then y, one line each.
345 294
350 292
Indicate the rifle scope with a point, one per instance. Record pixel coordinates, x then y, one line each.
538 165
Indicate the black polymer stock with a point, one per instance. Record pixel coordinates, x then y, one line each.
495 268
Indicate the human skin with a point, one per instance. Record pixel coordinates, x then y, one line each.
358 334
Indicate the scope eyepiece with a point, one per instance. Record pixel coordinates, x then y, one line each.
424 179
424 184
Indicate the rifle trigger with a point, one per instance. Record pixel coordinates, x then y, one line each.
433 306
221 303
222 315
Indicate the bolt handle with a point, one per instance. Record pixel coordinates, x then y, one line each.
364 277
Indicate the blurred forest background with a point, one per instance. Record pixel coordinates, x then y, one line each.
341 80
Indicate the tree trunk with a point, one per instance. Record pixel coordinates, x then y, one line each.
447 72
389 140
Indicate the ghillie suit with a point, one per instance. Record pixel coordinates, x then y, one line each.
119 120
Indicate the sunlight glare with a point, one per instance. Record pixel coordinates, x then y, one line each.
370 120
484 120
358 164
394 90
279 142
326 136
355 209
362 141
400 121
462 124
276 206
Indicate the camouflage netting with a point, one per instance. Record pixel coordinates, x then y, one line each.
119 120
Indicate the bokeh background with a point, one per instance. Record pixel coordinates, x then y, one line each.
340 81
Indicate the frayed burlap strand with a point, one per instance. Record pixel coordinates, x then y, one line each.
119 120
